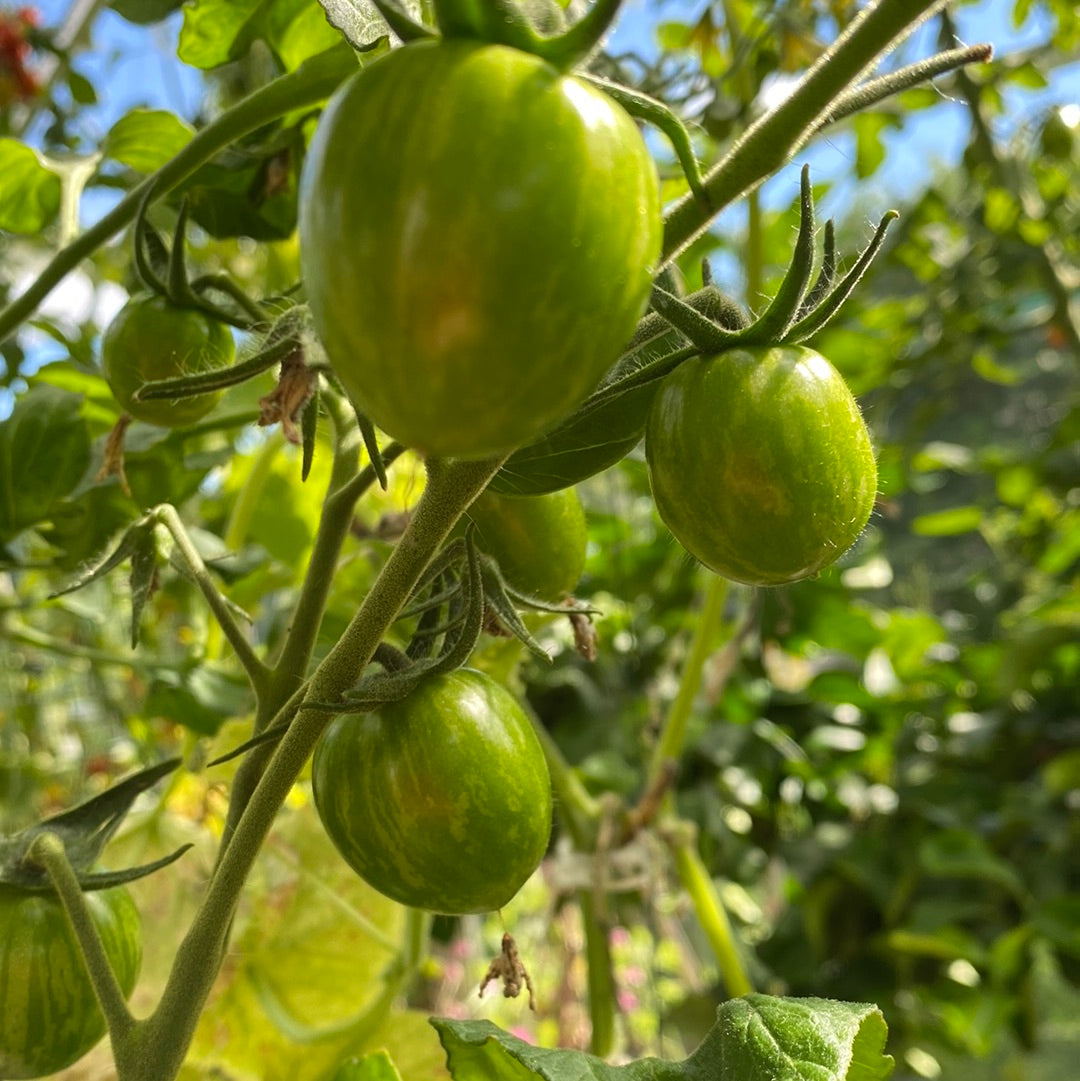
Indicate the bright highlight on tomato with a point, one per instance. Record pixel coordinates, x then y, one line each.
477 238
441 801
49 1016
150 339
760 463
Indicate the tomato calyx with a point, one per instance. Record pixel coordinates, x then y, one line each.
84 831
798 310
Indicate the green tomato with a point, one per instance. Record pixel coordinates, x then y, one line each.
477 238
152 339
538 541
441 801
49 1015
760 463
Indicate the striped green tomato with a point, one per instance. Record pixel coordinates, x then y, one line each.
477 238
760 463
441 801
49 1015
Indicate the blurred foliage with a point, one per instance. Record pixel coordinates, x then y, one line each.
886 780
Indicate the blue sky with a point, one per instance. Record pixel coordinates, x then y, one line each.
136 66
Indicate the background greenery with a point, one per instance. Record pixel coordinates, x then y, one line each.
883 763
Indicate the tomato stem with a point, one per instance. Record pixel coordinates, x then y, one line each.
696 880
47 850
257 672
773 139
157 1048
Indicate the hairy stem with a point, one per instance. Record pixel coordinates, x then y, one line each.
773 139
47 850
155 1049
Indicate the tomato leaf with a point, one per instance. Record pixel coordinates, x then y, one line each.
44 451
29 192
218 31
147 138
755 1038
377 1066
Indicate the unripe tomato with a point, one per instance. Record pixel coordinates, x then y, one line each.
152 339
538 541
49 1015
477 237
760 463
441 801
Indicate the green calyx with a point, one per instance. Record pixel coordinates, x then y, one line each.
533 26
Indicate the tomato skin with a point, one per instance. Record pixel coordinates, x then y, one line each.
760 463
441 801
477 236
152 339
538 541
49 1016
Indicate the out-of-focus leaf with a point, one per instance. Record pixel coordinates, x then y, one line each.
378 1066
144 12
200 699
29 192
947 523
218 31
44 451
147 138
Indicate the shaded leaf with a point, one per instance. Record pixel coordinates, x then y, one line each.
147 138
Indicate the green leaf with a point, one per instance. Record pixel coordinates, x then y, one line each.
44 451
374 1067
947 523
29 193
144 12
755 1038
218 31
147 138
200 699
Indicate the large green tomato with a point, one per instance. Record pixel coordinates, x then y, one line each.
760 463
538 541
152 339
477 238
441 801
49 1016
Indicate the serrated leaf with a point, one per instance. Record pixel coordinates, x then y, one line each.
755 1038
29 192
44 451
361 23
147 138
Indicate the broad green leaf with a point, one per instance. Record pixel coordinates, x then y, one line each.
29 192
147 138
377 1066
755 1038
44 451
218 31
946 523
955 853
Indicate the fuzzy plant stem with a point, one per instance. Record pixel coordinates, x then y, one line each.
154 1049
